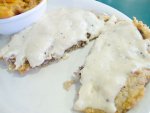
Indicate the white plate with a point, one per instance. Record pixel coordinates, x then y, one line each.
41 91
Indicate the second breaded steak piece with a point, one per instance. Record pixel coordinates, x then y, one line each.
116 70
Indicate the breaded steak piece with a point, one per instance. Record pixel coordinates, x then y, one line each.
57 33
116 71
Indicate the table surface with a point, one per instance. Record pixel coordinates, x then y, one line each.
138 8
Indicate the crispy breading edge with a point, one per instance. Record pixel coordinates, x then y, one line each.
143 28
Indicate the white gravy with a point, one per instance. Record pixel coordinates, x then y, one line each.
119 51
51 36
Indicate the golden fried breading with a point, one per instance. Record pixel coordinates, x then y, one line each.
143 28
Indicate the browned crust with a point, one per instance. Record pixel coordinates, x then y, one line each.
143 28
80 44
134 90
67 85
91 110
24 68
